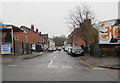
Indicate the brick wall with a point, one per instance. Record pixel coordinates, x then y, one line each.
79 41
21 37
76 40
33 37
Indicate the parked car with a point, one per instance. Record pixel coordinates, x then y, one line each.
63 47
77 50
50 49
59 49
66 48
54 49
69 49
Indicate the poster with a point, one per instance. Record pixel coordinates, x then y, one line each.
6 49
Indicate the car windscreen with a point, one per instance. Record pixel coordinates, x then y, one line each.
76 48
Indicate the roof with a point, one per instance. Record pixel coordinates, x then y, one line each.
45 36
50 39
28 29
73 32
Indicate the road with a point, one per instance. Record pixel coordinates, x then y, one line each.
54 66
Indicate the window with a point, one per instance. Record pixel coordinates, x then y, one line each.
16 38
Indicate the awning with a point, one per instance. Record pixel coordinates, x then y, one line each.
6 27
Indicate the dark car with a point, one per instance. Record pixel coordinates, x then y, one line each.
77 50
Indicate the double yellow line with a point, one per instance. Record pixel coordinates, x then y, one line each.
86 63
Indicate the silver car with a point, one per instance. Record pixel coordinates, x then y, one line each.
50 49
69 50
77 50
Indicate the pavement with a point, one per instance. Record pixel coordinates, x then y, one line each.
105 62
14 58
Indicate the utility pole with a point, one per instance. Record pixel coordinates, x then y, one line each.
13 49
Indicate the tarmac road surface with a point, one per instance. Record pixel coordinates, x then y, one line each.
54 66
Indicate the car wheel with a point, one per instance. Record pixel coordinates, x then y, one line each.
68 53
82 54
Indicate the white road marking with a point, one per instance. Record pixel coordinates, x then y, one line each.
12 65
67 67
51 62
86 68
53 66
54 57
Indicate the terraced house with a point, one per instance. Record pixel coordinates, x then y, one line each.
25 39
74 39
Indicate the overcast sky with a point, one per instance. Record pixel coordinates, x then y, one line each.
49 17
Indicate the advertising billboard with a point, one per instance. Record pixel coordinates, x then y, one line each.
109 32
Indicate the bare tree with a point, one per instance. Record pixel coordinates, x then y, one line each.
87 32
83 18
79 15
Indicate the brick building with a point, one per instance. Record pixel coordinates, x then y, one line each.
44 41
24 39
15 30
44 38
27 35
74 39
30 36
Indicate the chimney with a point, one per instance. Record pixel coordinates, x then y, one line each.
32 27
39 33
37 30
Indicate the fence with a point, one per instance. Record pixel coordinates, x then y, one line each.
22 48
19 48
